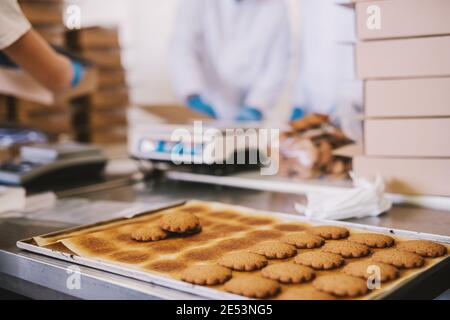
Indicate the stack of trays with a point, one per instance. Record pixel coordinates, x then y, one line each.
103 117
403 56
46 18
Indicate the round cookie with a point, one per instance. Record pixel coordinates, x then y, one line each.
288 273
347 249
373 240
303 240
341 285
319 260
253 287
329 232
361 269
206 274
274 250
423 248
305 294
243 261
179 222
399 259
146 234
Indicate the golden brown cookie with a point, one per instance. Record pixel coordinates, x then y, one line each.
423 248
243 261
179 222
145 234
253 287
288 273
347 249
399 259
303 240
329 232
319 260
274 250
341 285
206 274
363 269
305 294
373 240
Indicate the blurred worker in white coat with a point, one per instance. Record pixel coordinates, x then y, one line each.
229 57
326 81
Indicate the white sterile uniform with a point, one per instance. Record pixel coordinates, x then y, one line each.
13 23
232 53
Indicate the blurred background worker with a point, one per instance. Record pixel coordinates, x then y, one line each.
229 57
21 45
326 81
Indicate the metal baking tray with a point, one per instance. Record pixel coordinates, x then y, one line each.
426 284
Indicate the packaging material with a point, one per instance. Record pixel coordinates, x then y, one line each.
171 114
427 137
111 78
3 108
365 199
413 176
103 57
109 97
404 58
307 150
19 84
101 119
115 135
426 97
93 37
404 18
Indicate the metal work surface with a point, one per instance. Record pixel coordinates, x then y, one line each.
37 276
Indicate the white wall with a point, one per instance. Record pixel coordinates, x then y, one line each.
145 27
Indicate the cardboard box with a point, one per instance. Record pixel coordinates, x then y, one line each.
109 136
404 18
43 12
408 176
426 97
17 83
174 114
53 34
416 57
93 37
52 123
111 97
101 119
103 58
428 137
111 78
3 108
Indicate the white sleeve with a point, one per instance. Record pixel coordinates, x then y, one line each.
265 92
13 23
185 65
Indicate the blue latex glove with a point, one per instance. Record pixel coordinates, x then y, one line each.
298 113
78 73
249 114
196 103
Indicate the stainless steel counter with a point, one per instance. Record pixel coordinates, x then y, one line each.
40 277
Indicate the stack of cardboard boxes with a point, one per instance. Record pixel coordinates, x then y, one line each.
102 115
403 54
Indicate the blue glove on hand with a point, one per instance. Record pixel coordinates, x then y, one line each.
196 103
298 113
78 73
249 114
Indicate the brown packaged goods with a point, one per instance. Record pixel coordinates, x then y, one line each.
103 58
111 78
3 108
101 119
426 137
109 136
404 58
53 34
407 175
404 18
109 98
307 151
52 123
427 97
43 12
93 37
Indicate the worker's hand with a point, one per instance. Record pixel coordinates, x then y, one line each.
78 73
196 103
249 114
298 113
